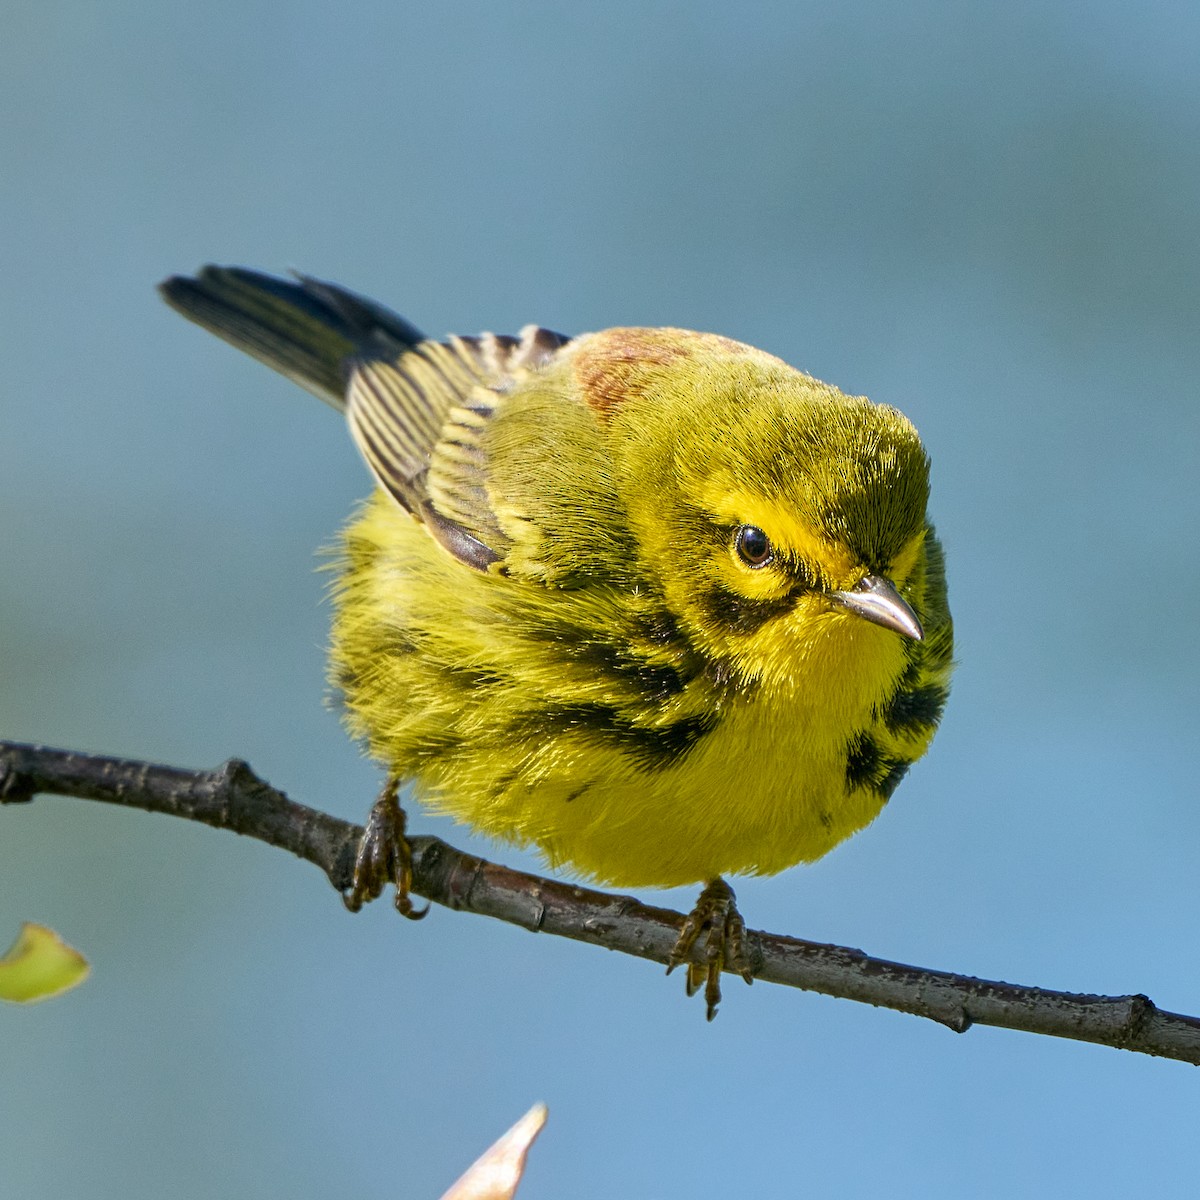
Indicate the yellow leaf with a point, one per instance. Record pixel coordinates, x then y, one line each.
39 965
495 1176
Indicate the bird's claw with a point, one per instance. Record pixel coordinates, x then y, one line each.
717 920
384 856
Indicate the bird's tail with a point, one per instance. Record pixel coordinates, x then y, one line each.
307 330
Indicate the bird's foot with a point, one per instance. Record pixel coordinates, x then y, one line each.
717 920
384 856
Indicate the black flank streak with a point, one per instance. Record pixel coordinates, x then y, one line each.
653 748
658 748
868 767
862 761
655 681
913 710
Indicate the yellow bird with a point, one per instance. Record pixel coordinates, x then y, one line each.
650 600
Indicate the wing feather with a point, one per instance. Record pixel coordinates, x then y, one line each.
420 420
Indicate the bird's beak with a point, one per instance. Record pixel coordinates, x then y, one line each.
875 599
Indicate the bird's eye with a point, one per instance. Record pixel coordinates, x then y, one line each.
753 546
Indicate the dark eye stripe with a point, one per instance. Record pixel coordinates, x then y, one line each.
739 613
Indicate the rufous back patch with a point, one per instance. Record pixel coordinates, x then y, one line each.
621 364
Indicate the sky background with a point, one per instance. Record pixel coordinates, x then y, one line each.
984 215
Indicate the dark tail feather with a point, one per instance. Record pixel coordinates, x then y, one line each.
305 330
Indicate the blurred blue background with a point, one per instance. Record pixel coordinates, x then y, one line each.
985 215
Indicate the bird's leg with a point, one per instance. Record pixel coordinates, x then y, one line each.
715 916
384 856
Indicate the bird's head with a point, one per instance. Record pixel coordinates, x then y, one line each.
784 521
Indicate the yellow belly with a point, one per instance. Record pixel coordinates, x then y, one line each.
762 791
450 690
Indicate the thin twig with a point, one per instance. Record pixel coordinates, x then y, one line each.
233 797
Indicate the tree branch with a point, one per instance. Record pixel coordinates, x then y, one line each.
233 797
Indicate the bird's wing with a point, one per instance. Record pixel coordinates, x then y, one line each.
419 420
